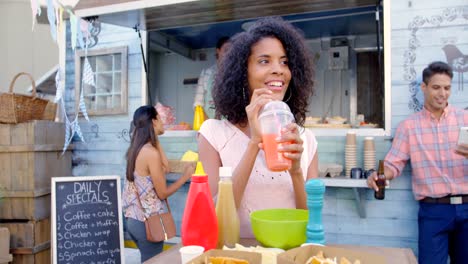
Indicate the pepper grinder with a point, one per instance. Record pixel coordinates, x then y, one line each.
315 189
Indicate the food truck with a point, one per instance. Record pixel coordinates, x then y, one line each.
368 58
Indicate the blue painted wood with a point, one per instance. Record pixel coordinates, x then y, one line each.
374 209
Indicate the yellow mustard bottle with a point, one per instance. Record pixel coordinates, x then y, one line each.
198 117
226 212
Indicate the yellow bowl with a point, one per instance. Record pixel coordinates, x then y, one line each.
280 228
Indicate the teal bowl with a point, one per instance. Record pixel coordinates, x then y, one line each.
280 228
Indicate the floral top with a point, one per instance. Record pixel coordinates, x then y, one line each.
149 203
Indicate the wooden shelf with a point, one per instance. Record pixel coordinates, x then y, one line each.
345 182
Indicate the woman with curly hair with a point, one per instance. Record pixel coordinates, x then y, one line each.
268 62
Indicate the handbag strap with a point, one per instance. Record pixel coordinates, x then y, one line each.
33 83
141 205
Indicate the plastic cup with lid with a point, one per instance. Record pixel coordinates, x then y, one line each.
273 117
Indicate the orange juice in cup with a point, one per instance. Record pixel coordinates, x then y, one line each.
273 117
275 160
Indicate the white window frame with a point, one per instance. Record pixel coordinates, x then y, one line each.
123 51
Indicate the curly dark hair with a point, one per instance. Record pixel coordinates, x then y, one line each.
231 92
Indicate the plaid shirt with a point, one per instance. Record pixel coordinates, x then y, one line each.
430 143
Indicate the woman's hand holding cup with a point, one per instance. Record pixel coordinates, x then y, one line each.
290 145
278 131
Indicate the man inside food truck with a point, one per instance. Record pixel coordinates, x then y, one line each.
439 165
205 81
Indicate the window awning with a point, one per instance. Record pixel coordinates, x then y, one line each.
163 14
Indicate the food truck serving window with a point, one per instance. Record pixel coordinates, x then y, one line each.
349 40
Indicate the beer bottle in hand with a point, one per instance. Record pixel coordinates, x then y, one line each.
381 180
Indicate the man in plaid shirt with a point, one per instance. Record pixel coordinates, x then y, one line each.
439 169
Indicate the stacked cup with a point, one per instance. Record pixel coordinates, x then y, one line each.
188 253
369 153
350 153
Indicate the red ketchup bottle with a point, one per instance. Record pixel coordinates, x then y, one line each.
199 222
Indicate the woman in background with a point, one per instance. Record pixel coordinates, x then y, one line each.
268 62
145 187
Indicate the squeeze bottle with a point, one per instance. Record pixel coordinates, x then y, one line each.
199 222
228 220
198 117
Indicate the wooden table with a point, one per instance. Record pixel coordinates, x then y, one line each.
393 255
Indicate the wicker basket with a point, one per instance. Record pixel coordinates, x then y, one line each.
50 111
18 108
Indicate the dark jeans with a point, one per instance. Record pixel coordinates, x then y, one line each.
137 231
443 231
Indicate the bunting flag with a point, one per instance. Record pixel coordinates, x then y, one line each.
58 86
56 9
51 17
80 33
77 130
87 78
36 11
68 135
74 29
60 19
88 74
79 30
82 106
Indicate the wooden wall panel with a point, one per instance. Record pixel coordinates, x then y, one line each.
103 153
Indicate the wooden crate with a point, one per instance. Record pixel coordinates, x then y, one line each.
30 208
30 154
41 257
28 234
5 255
37 132
28 174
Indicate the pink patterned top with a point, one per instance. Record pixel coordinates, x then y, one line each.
147 195
265 189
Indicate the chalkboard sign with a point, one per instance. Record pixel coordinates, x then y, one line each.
87 220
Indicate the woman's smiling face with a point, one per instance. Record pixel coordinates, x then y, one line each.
268 67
